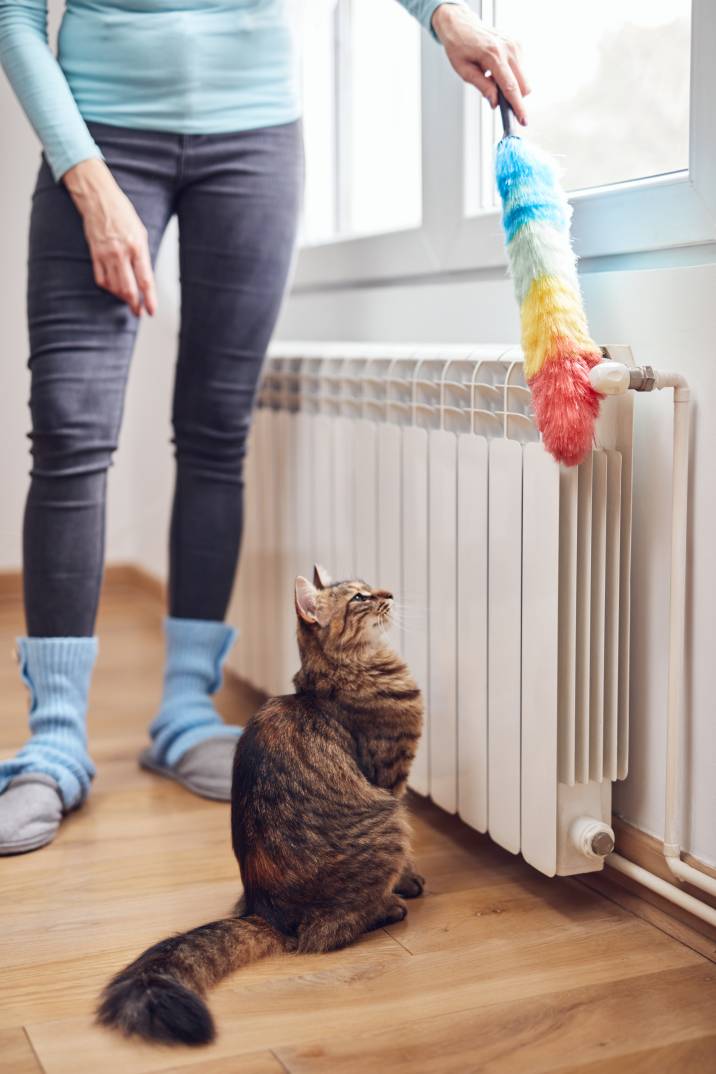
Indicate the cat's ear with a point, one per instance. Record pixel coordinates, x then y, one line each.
305 594
321 577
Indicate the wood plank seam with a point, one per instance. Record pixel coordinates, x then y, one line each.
31 1046
279 1060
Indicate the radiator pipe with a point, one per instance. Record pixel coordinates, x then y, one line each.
613 378
664 888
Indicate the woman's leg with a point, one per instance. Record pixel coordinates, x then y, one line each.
237 214
81 339
237 208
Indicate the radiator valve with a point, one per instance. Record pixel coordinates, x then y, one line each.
614 378
591 837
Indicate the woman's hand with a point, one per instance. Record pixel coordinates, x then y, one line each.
482 56
116 236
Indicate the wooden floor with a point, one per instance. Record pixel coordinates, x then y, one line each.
496 969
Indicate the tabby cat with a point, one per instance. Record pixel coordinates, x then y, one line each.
318 826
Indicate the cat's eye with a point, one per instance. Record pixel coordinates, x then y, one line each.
359 596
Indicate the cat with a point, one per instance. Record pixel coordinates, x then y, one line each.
318 826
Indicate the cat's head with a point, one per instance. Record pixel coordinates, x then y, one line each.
342 616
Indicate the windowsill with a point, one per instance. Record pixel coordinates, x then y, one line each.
638 217
321 244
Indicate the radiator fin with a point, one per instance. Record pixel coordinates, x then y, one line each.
442 633
597 610
540 648
611 626
415 580
567 703
285 464
343 562
390 520
583 621
504 642
365 504
323 512
305 492
472 461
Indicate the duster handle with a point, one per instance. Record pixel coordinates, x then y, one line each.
508 116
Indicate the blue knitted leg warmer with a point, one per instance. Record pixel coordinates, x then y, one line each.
57 672
196 651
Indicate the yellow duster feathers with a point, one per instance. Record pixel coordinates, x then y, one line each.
551 312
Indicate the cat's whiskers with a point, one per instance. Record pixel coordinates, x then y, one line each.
414 625
410 611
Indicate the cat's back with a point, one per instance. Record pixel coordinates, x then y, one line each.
287 733
292 762
293 753
270 734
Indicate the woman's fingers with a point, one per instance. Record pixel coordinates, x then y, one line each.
482 56
127 273
514 57
145 277
113 283
506 79
484 83
130 291
99 270
121 281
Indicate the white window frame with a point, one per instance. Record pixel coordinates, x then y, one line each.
634 217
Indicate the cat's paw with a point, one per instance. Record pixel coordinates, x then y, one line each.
395 911
410 885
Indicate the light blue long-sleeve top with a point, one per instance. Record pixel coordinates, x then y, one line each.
185 66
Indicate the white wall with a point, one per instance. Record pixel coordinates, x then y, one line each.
668 317
19 157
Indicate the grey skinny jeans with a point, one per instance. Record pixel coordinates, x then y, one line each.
237 198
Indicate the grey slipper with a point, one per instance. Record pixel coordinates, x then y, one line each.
30 813
205 769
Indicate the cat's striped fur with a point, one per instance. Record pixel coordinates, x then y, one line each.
318 827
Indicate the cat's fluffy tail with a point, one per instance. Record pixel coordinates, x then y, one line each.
159 995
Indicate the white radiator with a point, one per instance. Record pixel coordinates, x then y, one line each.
419 469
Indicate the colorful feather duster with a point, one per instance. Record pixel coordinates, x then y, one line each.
558 351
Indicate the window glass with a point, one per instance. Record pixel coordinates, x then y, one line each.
319 119
610 86
383 145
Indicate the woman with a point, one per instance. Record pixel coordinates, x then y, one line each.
154 110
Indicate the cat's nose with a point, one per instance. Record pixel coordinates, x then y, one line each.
383 594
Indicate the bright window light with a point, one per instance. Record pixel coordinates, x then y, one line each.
319 119
384 148
362 118
610 87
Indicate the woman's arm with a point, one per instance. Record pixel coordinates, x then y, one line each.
480 55
40 86
423 10
116 237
